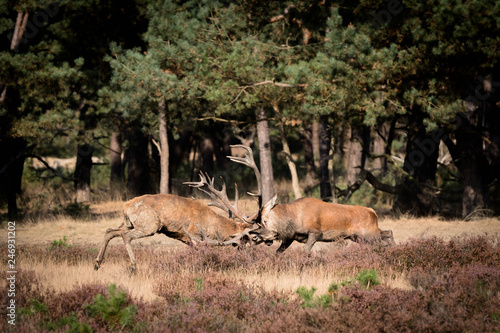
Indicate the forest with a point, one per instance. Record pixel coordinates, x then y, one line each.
385 103
389 104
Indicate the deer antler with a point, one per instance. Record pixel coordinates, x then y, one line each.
235 241
204 239
215 202
249 161
219 197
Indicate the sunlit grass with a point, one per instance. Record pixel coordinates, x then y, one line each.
57 254
184 288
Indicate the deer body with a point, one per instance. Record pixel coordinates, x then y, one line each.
173 216
308 220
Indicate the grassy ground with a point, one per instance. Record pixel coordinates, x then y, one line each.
60 253
88 234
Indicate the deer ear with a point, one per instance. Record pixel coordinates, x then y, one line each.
270 205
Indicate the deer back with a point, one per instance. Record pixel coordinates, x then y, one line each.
306 214
173 215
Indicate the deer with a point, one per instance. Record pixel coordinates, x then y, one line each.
184 219
308 220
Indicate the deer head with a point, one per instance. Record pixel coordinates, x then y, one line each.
219 198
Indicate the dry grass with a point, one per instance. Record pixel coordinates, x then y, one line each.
108 215
63 275
321 280
406 228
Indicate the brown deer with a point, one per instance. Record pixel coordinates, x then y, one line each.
308 220
183 218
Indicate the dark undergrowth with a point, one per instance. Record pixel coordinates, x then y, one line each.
455 287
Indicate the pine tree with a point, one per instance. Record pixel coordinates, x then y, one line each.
447 52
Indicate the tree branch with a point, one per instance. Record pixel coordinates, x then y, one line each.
278 84
368 176
20 27
157 146
381 186
51 169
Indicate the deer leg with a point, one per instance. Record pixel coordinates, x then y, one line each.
128 236
110 234
312 237
353 238
284 245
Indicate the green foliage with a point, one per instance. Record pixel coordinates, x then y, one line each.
332 288
35 307
113 309
496 318
70 324
77 210
311 301
95 67
198 284
61 243
368 278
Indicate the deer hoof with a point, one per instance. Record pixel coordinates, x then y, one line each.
132 269
96 265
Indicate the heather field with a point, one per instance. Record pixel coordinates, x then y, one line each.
441 276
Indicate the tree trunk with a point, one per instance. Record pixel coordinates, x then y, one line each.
418 194
82 172
164 149
11 171
324 152
291 164
315 142
221 140
138 175
224 151
470 160
390 139
179 149
288 155
115 161
17 36
266 166
356 156
476 152
341 145
12 150
379 164
309 136
353 157
207 156
473 197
